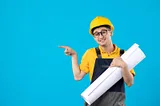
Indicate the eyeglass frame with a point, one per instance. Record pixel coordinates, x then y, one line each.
101 33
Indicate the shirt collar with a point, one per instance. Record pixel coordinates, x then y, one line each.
115 49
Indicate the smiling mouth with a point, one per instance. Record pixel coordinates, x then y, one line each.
102 40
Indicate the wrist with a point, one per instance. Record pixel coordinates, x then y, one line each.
74 54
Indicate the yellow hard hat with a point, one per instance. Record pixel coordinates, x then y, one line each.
100 21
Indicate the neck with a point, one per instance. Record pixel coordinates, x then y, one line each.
108 48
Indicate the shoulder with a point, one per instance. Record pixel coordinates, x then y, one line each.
118 50
90 52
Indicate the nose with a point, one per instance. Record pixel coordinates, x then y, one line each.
101 36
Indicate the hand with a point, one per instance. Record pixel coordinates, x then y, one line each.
118 62
68 51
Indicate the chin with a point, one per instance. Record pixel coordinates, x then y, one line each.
102 44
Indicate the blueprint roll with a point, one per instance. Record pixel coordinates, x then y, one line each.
133 56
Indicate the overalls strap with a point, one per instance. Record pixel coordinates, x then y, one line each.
98 52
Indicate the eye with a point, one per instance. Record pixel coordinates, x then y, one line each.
96 34
104 32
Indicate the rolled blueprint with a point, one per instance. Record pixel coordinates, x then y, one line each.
133 56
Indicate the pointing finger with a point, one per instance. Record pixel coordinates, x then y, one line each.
65 47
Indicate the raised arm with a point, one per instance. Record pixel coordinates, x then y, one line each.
78 74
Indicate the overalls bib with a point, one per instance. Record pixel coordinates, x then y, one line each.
115 96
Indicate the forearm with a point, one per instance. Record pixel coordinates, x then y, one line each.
75 66
127 76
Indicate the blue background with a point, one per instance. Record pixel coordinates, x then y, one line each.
35 72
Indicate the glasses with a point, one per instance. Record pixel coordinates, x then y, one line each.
103 33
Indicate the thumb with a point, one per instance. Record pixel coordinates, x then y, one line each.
111 65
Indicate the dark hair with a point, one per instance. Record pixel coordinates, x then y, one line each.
107 26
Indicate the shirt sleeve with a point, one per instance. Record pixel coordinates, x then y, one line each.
84 65
133 72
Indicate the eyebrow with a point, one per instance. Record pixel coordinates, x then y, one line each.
101 30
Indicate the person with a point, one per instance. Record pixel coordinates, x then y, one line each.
96 60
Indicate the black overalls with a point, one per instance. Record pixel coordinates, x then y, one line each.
115 95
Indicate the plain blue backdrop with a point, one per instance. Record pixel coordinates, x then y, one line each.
35 72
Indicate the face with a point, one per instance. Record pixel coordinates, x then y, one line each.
102 36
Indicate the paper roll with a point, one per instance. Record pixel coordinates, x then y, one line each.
132 57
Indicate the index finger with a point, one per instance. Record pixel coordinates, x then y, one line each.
65 47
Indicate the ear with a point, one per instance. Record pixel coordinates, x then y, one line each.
111 33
